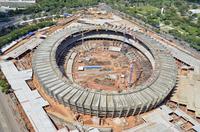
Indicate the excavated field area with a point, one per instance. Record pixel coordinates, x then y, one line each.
117 71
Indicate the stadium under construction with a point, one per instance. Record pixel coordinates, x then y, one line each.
100 70
58 50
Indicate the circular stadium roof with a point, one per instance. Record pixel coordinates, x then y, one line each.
101 102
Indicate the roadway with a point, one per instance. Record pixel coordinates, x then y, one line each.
8 122
14 20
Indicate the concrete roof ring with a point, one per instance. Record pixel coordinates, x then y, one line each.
102 103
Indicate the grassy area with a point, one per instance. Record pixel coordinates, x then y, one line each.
147 10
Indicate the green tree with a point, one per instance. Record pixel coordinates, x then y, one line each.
15 34
4 86
167 22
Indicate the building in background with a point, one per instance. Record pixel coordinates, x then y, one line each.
13 4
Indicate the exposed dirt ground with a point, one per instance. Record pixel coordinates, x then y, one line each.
117 72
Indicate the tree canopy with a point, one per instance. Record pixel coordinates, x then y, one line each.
176 13
16 33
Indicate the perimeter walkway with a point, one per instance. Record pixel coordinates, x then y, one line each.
30 100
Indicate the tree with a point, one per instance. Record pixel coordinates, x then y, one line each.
15 34
4 86
198 21
24 18
167 22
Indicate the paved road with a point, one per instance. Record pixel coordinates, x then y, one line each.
14 20
8 122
